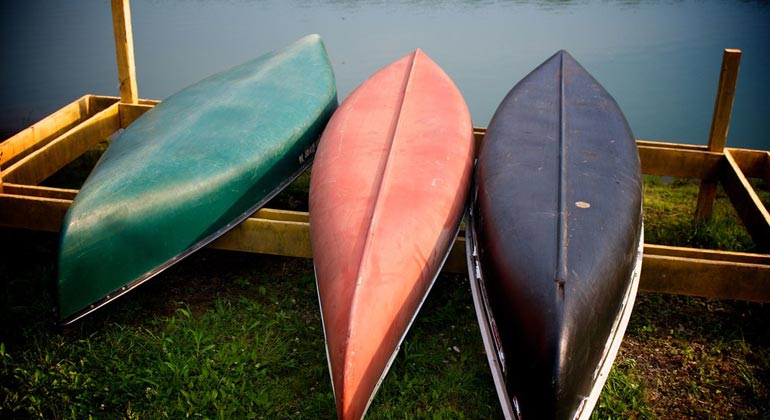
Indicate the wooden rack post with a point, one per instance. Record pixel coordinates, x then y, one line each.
723 107
124 49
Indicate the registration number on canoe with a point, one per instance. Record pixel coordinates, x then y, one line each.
308 152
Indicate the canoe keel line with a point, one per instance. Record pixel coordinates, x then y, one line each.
191 169
554 241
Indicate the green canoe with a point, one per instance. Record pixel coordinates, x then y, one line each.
189 170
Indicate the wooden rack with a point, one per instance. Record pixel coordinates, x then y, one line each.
37 152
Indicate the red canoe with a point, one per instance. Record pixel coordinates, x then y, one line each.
389 184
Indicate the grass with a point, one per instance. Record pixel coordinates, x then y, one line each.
232 335
669 205
244 341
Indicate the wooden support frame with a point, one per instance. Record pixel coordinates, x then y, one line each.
677 270
40 150
36 153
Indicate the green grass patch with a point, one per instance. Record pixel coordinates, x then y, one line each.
623 393
669 217
222 335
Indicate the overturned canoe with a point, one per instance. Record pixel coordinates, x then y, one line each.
190 169
387 193
554 241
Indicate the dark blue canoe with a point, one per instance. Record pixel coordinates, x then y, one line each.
554 240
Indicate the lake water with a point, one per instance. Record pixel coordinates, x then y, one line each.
659 59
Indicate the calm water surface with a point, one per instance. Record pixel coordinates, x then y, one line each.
659 59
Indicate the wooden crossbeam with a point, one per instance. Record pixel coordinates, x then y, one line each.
706 278
268 236
747 204
31 138
669 145
38 191
685 162
709 273
753 163
706 254
47 129
287 215
128 113
34 213
42 163
40 150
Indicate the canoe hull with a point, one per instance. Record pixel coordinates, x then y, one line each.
387 193
189 170
556 223
493 343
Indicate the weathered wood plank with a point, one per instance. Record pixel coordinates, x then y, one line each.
34 213
682 163
723 107
747 204
767 169
668 145
39 134
753 163
124 48
42 163
149 102
266 236
130 112
37 191
706 254
98 103
707 278
720 123
285 215
707 195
